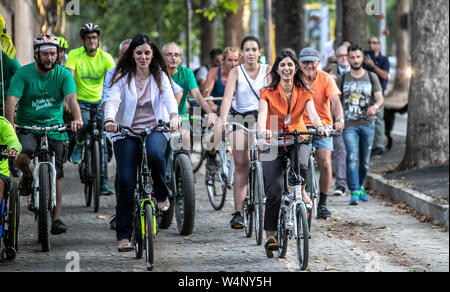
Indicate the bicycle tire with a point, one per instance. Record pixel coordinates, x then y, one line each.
197 164
87 172
185 194
248 215
97 175
282 233
302 237
164 219
259 203
148 236
137 231
14 218
44 219
312 190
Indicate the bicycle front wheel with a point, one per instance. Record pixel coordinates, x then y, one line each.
13 218
96 175
282 233
44 218
302 237
148 236
85 169
184 194
258 203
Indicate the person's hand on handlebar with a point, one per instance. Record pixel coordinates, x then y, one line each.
175 123
323 131
110 126
265 134
212 119
76 125
11 153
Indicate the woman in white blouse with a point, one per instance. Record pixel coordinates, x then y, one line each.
141 94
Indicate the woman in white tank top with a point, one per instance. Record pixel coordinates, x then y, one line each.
242 94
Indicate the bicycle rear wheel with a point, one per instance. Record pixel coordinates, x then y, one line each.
185 194
248 214
137 231
148 229
96 175
44 218
216 186
302 237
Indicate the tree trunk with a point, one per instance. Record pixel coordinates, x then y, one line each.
232 24
289 24
208 34
398 98
427 141
354 20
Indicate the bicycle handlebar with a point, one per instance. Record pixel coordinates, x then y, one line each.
311 132
58 128
124 130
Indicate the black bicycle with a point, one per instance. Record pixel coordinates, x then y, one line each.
9 218
43 200
91 166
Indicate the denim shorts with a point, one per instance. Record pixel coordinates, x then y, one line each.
326 143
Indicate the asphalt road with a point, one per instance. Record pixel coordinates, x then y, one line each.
374 236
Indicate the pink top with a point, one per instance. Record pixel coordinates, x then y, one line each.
145 115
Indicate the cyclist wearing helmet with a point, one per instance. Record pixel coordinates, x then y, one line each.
89 65
63 46
39 90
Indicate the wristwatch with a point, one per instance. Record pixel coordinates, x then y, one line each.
340 121
376 106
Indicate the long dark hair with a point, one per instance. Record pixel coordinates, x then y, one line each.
127 65
298 77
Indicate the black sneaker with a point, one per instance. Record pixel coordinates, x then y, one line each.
25 186
377 152
271 246
339 191
322 212
238 221
58 227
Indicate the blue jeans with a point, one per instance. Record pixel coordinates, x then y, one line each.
358 142
81 133
128 155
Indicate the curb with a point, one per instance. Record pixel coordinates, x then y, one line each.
420 202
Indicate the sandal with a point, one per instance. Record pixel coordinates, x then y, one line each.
271 245
125 246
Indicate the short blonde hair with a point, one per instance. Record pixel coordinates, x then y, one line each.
231 49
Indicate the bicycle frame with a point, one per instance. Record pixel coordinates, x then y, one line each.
43 150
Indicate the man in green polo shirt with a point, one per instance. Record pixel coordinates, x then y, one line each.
89 65
185 78
39 90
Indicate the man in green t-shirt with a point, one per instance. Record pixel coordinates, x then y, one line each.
9 68
89 65
39 90
185 78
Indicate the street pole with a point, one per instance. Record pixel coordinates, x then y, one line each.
188 32
254 18
382 27
268 35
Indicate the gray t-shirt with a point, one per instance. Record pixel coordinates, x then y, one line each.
357 97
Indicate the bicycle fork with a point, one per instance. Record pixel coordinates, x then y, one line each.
36 182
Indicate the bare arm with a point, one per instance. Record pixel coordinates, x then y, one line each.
338 113
200 100
72 102
371 111
10 109
313 116
228 95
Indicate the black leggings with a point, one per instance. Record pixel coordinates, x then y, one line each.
273 181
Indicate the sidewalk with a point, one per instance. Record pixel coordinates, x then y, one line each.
426 190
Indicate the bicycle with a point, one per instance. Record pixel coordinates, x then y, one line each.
9 219
145 209
43 199
254 202
91 167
